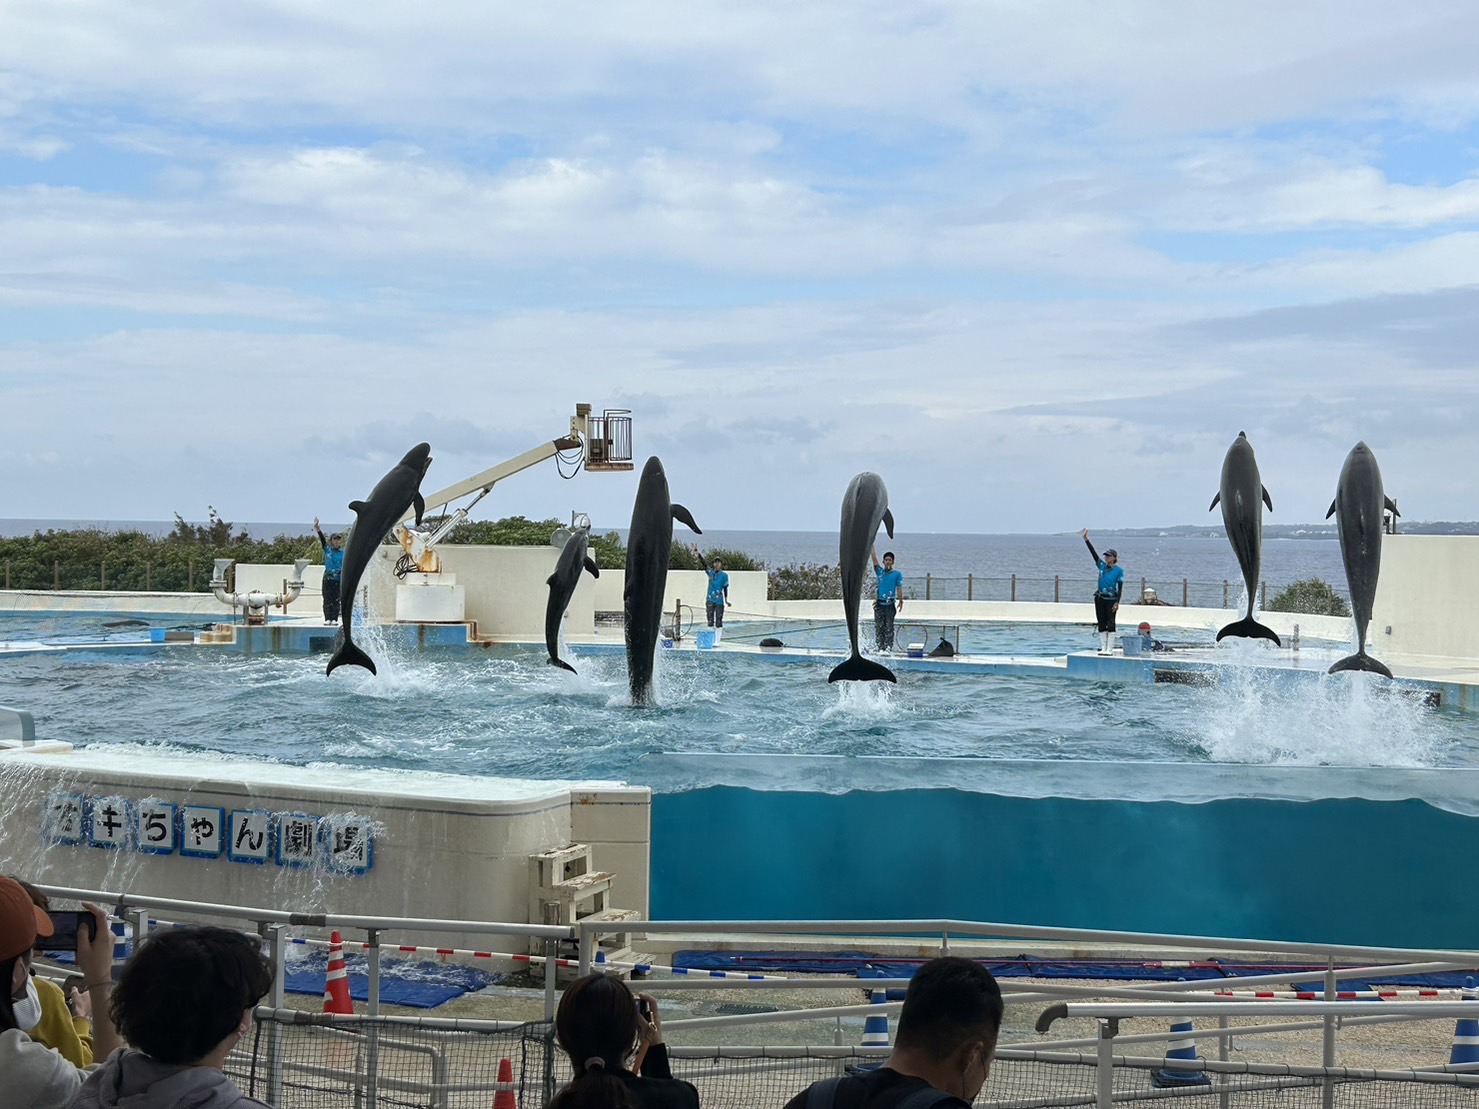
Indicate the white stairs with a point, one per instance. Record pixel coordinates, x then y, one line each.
565 888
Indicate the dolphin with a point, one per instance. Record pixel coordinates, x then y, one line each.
562 583
864 507
649 549
1359 499
1239 493
392 495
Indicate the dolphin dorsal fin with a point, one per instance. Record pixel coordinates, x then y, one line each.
420 502
1391 506
357 507
1267 499
1331 512
590 564
684 517
1213 505
888 522
550 580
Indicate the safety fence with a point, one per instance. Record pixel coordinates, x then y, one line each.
1060 588
1257 1048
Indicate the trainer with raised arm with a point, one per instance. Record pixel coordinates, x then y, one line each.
333 546
890 600
1107 592
717 596
942 1052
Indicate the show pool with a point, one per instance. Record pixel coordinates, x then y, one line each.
1324 811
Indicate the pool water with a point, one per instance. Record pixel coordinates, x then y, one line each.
505 712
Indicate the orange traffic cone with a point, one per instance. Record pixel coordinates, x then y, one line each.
336 983
504 1099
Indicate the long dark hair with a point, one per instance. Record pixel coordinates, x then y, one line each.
596 1025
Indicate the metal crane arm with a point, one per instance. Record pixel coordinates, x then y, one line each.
486 480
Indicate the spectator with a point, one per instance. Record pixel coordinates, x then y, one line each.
942 1050
33 1076
601 1028
62 1021
183 1001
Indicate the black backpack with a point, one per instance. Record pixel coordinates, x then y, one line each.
823 1094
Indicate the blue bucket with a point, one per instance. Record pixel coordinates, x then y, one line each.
704 637
156 635
1133 644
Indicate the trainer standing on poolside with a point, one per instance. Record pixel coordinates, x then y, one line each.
718 594
1107 593
890 599
333 546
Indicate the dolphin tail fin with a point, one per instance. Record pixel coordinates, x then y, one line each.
888 522
1331 512
684 517
357 507
420 502
860 669
1249 628
1391 506
562 664
1215 499
1361 661
350 655
1267 499
590 564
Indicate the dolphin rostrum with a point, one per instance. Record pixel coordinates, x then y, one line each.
864 507
392 495
1242 517
573 559
649 548
1359 499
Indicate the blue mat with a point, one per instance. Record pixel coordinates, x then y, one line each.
1023 966
419 985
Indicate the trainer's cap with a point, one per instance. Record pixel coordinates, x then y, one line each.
1111 553
1144 628
21 920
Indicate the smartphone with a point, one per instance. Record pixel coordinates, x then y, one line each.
64 927
644 1010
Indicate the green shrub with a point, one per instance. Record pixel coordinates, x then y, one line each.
805 581
1311 596
683 557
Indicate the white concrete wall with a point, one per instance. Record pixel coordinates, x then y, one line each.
747 590
449 847
144 604
1428 595
268 577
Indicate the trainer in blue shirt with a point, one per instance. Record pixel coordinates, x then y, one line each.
1107 592
717 596
890 599
333 546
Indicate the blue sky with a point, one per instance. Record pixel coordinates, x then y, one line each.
1037 265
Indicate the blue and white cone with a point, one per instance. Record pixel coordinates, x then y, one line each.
1466 1033
875 1028
1185 1048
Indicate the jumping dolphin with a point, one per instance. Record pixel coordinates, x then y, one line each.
1359 499
864 507
395 492
649 547
1239 493
562 583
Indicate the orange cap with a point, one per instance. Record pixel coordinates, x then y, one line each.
21 920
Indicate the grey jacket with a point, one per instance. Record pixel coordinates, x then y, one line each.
132 1080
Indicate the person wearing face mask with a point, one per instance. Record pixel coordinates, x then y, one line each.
62 1021
32 1075
183 1001
942 1049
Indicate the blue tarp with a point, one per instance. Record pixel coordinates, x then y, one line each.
420 985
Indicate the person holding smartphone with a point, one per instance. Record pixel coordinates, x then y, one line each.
615 1043
49 1016
32 1075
